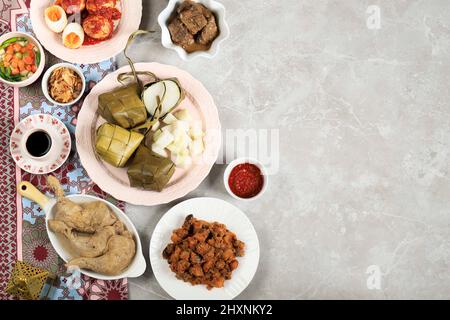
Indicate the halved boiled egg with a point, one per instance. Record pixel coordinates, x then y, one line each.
55 18
73 36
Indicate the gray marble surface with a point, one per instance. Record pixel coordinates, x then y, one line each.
364 154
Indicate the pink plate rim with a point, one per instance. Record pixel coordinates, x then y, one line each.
98 172
129 22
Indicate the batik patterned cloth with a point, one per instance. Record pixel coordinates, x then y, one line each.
9 219
8 208
30 234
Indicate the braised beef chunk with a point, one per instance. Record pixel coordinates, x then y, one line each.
193 18
209 32
180 33
188 221
194 28
206 12
185 5
168 251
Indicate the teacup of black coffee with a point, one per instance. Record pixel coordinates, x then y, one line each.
38 143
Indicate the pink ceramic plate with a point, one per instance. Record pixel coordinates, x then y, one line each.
59 150
129 22
115 180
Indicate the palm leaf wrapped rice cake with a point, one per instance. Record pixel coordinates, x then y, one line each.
123 106
115 144
150 171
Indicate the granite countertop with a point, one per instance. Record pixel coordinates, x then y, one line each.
360 204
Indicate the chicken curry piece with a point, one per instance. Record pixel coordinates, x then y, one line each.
203 253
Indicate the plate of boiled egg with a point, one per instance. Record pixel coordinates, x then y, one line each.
85 31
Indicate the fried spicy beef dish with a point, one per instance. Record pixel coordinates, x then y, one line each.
203 253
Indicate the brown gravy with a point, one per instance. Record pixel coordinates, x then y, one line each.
193 26
197 47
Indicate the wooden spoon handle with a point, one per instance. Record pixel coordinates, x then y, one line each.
29 191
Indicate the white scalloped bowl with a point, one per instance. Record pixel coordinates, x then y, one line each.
166 40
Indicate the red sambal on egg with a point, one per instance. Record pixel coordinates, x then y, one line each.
106 8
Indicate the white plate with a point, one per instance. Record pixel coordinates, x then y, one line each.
129 22
209 209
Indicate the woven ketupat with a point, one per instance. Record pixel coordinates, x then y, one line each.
123 106
150 171
115 144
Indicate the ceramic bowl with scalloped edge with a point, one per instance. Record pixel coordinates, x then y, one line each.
224 31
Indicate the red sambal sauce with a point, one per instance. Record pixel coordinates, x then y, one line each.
246 180
110 13
106 8
88 41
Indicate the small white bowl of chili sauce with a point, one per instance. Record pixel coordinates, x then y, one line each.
245 179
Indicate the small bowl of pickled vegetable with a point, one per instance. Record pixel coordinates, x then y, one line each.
22 59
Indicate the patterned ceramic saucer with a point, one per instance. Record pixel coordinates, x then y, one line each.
59 149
